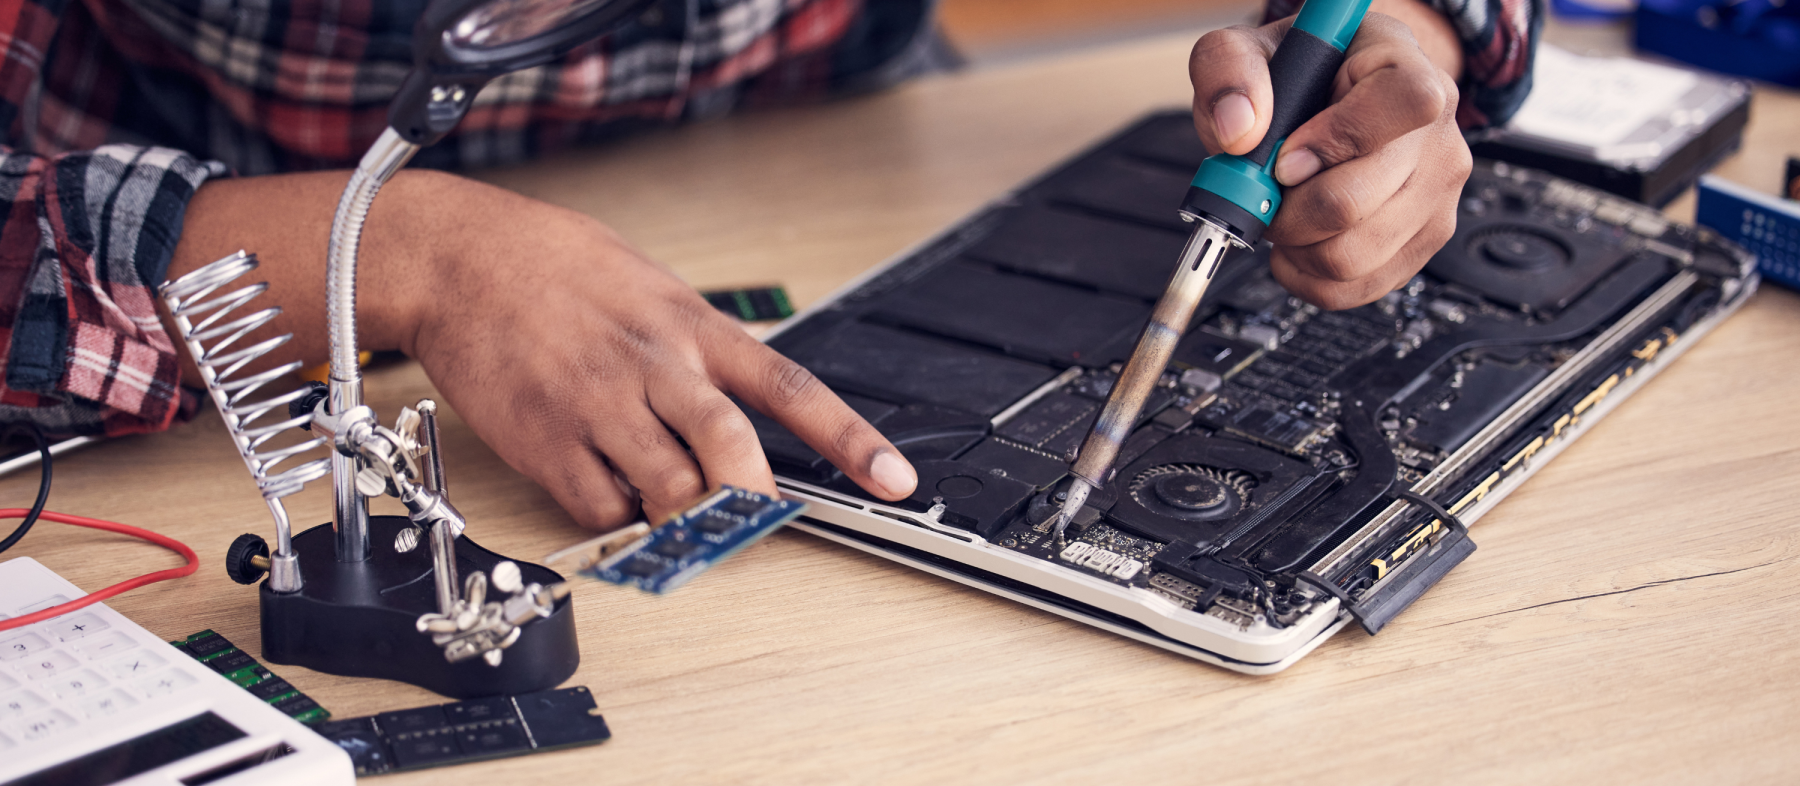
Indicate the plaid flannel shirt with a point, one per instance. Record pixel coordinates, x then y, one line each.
116 111
1499 39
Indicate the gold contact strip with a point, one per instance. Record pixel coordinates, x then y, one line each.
1498 486
1581 363
1644 354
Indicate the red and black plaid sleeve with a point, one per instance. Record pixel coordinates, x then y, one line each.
1499 38
114 112
85 238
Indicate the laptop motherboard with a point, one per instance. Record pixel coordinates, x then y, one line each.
1290 455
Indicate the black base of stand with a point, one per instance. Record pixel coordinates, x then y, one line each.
358 619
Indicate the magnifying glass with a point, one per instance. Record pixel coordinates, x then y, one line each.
458 47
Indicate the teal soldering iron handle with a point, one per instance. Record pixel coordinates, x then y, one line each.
1240 192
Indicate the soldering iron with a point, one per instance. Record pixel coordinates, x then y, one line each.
1231 202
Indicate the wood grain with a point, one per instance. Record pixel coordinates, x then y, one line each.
984 29
1628 617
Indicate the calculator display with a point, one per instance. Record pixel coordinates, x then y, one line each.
137 756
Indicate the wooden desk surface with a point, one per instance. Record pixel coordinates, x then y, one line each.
1628 617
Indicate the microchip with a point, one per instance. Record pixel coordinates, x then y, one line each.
674 549
742 506
715 524
698 538
641 567
221 656
1279 429
468 731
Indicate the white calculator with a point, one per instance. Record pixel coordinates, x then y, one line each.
91 698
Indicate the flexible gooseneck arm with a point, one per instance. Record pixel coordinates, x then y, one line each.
350 511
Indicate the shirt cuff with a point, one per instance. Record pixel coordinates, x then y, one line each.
86 238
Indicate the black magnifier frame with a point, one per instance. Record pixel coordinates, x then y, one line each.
447 75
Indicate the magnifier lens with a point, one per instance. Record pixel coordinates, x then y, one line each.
502 22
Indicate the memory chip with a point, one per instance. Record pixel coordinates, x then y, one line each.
702 536
675 549
220 655
761 304
641 567
468 731
717 525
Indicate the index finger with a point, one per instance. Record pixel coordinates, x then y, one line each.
1387 88
786 391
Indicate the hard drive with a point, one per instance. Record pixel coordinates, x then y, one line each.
1641 130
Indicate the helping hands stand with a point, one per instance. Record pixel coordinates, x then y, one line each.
339 599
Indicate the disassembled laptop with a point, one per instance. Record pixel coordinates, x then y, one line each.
1297 469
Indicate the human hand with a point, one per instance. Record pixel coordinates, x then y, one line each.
1371 183
586 367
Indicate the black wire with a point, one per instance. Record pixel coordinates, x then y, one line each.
1410 496
1432 505
43 495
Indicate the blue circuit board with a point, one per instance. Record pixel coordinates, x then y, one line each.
702 536
1767 226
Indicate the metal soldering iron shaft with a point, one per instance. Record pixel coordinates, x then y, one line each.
1199 262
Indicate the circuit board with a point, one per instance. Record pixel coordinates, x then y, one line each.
1271 469
468 731
759 304
698 538
222 656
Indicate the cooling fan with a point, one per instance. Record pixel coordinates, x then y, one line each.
1508 248
1192 492
1196 488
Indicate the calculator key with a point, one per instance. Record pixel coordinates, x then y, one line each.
104 645
24 702
106 703
165 683
19 645
45 665
6 743
77 626
135 664
79 683
38 727
7 683
53 600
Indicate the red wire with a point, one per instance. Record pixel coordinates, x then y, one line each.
193 564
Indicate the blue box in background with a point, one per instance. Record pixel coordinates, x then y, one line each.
1759 39
1767 226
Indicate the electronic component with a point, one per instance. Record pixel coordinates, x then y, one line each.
1109 562
1265 336
1220 356
1766 226
760 304
1278 429
1641 130
469 731
696 539
233 664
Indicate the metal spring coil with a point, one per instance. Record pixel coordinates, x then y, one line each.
190 297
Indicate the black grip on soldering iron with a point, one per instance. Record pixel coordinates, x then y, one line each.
1301 72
